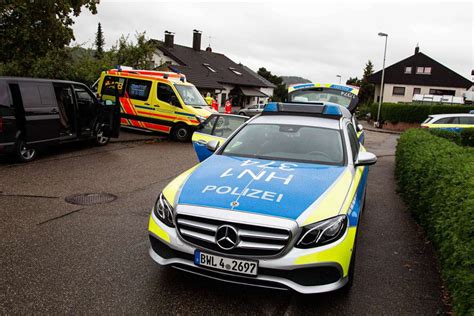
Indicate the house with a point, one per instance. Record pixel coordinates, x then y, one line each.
418 74
212 72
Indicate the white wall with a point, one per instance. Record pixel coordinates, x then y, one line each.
159 58
389 97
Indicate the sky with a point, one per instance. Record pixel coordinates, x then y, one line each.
317 40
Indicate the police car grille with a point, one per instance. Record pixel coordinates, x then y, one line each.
254 240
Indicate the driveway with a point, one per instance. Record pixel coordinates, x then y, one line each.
59 258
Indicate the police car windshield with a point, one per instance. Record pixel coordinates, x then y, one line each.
322 95
190 95
288 143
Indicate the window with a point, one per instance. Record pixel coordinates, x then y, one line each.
408 70
138 89
447 120
468 120
108 85
209 67
190 95
442 92
226 125
287 143
398 91
208 125
353 140
416 91
4 97
165 93
235 71
423 70
37 94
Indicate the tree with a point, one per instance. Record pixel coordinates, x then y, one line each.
33 32
99 42
366 89
280 93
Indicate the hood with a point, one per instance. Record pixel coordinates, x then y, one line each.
205 111
276 188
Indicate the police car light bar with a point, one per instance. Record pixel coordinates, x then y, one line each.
316 108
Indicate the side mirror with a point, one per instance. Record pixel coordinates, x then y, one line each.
212 145
360 128
365 159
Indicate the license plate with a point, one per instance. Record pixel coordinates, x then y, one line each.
246 267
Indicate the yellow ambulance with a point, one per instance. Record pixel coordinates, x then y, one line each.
155 100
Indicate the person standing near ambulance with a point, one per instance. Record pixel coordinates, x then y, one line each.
228 106
209 99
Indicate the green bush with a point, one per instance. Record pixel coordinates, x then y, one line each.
467 137
413 113
436 179
452 136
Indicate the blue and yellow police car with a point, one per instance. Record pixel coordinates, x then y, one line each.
276 204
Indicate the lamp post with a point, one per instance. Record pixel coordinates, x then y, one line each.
377 124
339 76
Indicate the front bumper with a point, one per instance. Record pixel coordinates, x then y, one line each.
306 271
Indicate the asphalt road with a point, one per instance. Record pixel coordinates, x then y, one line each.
60 258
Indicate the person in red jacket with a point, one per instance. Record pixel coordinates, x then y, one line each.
228 106
215 105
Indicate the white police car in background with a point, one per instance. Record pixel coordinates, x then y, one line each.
277 205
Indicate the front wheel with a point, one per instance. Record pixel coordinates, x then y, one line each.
242 113
181 133
100 138
23 152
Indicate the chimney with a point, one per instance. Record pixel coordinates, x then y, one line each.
417 49
169 39
196 40
209 49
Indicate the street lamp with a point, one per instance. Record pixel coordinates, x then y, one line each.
377 124
339 76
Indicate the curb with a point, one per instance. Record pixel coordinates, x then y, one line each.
384 131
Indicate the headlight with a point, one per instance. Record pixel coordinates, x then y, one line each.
323 233
164 211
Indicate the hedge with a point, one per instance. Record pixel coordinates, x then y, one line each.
436 179
413 113
464 138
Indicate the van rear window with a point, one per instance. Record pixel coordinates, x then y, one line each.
108 85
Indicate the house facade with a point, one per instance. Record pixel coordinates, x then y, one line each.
212 72
418 74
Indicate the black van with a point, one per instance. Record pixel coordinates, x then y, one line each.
40 112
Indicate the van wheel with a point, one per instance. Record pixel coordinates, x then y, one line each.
100 139
23 152
181 133
242 113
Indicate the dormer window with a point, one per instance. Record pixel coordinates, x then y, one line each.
423 70
235 71
209 67
408 70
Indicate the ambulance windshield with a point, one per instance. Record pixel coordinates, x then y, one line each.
190 95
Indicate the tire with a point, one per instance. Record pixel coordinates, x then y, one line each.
181 133
347 287
100 139
24 153
242 113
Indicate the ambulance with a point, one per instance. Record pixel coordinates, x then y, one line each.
155 100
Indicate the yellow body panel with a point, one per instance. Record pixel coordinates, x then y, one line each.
340 253
157 230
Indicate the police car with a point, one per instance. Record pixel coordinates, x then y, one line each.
276 205
450 122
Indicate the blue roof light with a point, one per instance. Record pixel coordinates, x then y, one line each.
271 107
332 109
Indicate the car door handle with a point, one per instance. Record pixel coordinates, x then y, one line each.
54 111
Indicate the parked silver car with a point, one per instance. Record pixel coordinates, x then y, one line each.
252 110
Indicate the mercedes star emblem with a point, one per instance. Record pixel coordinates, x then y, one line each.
227 237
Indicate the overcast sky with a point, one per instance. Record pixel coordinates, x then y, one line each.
311 39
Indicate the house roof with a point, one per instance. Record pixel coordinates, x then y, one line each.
441 76
224 71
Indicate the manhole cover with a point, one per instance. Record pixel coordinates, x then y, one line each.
90 198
